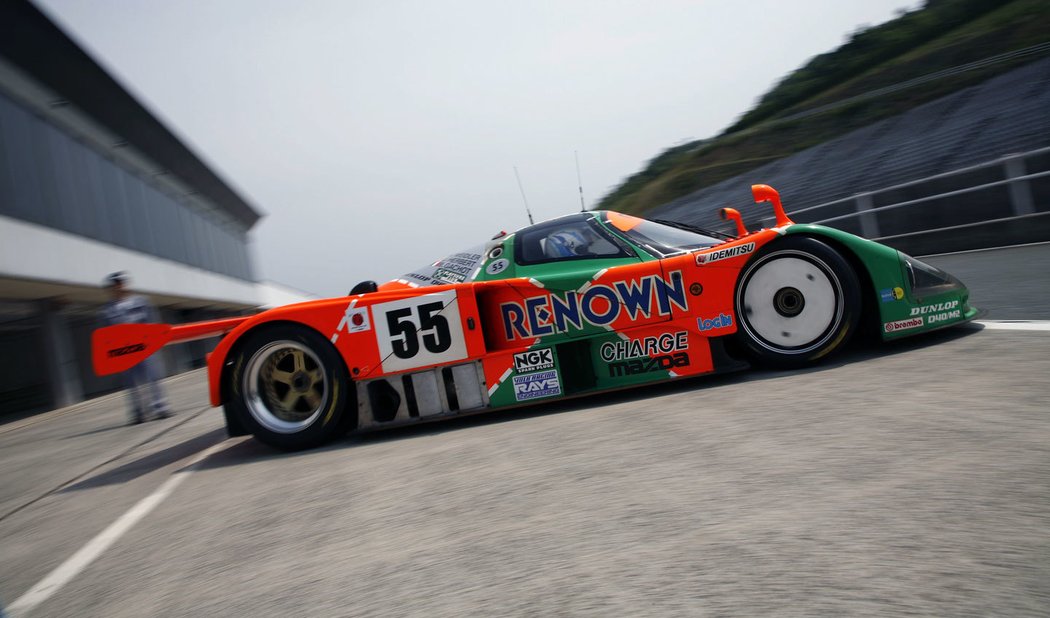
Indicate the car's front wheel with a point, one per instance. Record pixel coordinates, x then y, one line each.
289 387
798 301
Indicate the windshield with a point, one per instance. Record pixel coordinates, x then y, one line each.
660 239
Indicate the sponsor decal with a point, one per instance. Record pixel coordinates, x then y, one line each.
724 254
536 385
722 321
935 308
128 349
497 266
892 327
646 346
890 295
660 353
646 365
461 263
448 276
599 305
456 268
944 317
534 360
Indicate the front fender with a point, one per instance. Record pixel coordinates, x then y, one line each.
903 310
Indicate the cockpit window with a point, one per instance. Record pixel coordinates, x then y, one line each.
659 238
568 238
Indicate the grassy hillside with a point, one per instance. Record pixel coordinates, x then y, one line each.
942 35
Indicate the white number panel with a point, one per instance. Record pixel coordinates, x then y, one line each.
419 331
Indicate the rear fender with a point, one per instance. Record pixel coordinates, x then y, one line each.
320 316
353 325
218 368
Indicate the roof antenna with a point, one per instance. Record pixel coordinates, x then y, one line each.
527 211
580 182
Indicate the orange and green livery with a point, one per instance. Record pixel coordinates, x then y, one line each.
584 303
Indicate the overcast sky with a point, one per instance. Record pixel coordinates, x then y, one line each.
379 136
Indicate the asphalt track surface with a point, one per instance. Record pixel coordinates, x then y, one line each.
911 478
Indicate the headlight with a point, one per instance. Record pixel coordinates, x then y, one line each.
926 280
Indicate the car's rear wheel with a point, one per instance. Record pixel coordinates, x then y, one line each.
289 387
798 301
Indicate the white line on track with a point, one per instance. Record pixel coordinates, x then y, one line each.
87 554
1043 325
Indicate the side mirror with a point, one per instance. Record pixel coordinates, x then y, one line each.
734 214
364 287
766 193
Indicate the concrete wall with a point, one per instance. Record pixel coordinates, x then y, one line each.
40 254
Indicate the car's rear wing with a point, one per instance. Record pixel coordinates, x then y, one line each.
120 347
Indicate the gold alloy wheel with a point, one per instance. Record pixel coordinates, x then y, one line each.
285 386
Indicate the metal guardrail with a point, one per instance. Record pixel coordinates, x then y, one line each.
1026 218
929 198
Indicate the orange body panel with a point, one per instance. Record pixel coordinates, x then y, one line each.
355 338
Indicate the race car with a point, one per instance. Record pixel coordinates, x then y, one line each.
584 303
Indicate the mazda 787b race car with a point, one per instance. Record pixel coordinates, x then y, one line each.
584 303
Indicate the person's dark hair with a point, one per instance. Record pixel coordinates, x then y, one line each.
116 278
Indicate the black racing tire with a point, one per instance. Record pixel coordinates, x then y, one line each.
289 388
798 301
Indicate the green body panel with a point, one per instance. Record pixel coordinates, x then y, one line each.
561 278
882 263
543 272
898 304
586 357
632 371
561 275
503 396
506 254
